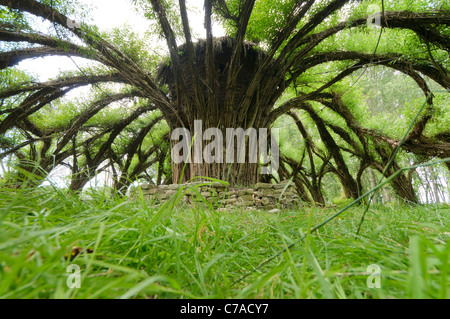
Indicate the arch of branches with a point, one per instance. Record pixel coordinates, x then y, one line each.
225 82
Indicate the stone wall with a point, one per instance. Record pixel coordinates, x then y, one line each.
262 195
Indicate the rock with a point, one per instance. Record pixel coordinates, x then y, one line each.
274 211
280 186
148 186
226 194
150 191
263 186
283 184
228 201
168 195
265 201
245 204
245 198
193 184
219 185
205 194
209 189
189 192
267 193
241 192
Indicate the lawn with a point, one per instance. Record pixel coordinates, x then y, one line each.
132 249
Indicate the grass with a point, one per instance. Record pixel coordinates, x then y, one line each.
176 251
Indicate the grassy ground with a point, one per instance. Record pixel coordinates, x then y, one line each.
142 252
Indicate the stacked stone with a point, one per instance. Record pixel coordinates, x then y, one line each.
262 195
271 196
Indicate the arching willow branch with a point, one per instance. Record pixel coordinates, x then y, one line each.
11 58
66 82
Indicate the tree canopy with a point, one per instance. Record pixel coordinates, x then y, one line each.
323 71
